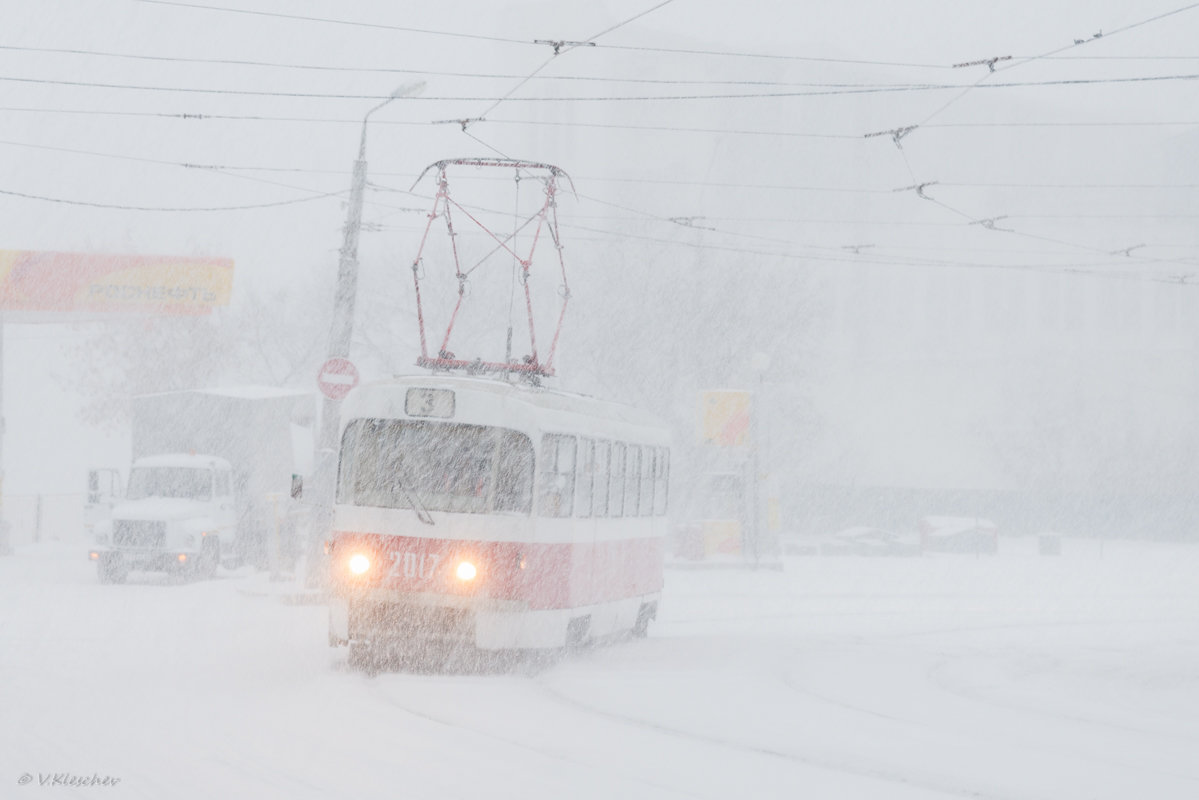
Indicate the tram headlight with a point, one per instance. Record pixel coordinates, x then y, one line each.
466 571
359 564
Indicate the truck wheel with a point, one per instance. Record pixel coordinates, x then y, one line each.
210 557
112 568
644 615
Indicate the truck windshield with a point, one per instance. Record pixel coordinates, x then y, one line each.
183 482
443 466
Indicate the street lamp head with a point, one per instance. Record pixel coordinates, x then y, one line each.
410 89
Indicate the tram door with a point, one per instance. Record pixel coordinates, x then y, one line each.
587 511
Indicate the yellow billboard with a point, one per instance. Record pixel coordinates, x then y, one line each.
724 418
63 284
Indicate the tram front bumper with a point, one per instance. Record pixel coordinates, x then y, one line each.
483 623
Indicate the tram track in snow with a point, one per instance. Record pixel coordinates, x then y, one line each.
606 770
937 678
832 765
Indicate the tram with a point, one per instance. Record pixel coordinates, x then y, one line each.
496 515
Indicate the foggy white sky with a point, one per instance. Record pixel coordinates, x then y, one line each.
916 344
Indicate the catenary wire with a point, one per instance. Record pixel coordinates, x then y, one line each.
201 117
232 168
865 89
334 21
123 207
410 71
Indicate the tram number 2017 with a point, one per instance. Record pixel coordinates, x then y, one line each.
413 565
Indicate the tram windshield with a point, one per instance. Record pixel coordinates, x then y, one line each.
442 466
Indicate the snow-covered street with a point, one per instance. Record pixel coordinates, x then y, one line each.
525 326
1015 676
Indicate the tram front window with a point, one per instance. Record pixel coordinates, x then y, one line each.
441 466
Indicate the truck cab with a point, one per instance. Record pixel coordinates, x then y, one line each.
178 515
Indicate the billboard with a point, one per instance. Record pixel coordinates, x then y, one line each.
724 418
48 285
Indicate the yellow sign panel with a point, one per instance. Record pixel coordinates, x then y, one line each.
721 537
724 418
70 283
774 514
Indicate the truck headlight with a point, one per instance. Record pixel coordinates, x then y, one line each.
466 571
359 564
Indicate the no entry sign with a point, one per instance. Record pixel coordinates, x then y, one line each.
337 377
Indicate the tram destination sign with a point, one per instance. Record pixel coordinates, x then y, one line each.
423 402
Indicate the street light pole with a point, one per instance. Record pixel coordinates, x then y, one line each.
5 544
342 330
759 363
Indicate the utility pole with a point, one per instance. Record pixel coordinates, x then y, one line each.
759 364
324 489
5 546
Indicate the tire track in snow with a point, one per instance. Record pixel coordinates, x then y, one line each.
831 765
937 676
455 725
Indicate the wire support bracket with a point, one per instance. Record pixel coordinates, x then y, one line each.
559 44
989 223
990 62
896 134
465 122
918 188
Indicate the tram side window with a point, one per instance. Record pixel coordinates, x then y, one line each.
557 475
599 495
661 480
648 467
616 497
514 473
632 480
586 478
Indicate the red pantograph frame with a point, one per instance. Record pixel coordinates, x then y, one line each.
531 365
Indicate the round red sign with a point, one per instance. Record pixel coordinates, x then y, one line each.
337 377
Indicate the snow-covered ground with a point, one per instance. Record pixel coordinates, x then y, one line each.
1014 676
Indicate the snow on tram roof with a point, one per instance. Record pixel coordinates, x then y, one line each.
184 460
246 392
552 399
256 392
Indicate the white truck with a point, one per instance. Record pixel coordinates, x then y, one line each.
216 478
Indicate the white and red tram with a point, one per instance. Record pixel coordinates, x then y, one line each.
496 515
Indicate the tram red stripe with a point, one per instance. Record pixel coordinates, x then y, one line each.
556 575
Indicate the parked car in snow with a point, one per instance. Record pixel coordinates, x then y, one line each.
959 535
866 541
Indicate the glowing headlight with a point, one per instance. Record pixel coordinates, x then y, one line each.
466 571
359 563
